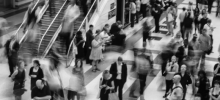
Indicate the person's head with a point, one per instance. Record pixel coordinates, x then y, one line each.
39 84
106 74
216 84
91 27
178 35
195 37
98 31
184 9
78 66
176 78
209 21
21 64
204 31
79 33
120 60
118 22
106 27
201 74
183 68
173 59
36 63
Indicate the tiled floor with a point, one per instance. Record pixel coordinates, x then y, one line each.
153 90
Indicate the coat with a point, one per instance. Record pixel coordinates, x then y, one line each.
114 70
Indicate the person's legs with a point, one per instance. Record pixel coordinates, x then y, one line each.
157 24
143 6
137 16
116 85
142 82
11 67
120 89
132 20
184 92
210 3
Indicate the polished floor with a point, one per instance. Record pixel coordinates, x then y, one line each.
153 90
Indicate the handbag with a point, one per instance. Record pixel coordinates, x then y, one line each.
112 96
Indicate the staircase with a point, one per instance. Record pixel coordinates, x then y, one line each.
30 48
52 30
62 48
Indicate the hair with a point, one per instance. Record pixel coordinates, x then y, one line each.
37 62
98 31
120 59
81 63
104 73
209 21
91 26
20 62
203 73
79 33
216 82
184 9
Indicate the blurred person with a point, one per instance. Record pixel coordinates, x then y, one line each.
216 72
180 54
171 69
55 55
144 7
202 4
182 16
19 78
167 3
214 92
106 36
119 75
52 7
188 25
185 80
210 3
138 8
84 7
133 10
71 14
196 18
11 47
80 45
210 30
78 72
88 45
41 91
166 56
175 14
203 21
3 25
106 29
176 92
106 85
147 25
115 28
156 13
96 52
194 43
35 73
203 85
176 42
205 44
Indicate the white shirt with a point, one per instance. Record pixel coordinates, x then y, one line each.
209 29
119 69
144 1
176 92
182 16
133 7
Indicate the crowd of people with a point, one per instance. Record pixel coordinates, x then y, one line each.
182 59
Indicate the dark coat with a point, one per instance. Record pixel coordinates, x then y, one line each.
114 70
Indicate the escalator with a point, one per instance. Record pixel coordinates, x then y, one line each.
30 48
51 29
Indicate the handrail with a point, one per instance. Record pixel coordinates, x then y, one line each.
50 25
52 41
80 28
16 33
43 11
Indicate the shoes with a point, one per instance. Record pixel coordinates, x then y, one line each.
133 96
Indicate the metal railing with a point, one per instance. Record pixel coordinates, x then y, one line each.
50 25
87 17
17 32
43 10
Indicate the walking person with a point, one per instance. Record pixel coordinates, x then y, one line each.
188 25
35 73
88 44
80 45
156 13
196 18
176 93
147 25
138 8
170 20
144 8
12 46
119 75
133 10
210 3
182 16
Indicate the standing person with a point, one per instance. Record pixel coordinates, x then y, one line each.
210 30
133 12
182 16
41 91
170 20
96 52
196 18
138 7
12 46
171 69
216 72
88 45
214 92
35 73
52 7
156 13
175 14
119 75
185 80
203 85
188 24
106 85
71 14
203 21
210 3
176 92
79 43
19 79
147 25
84 6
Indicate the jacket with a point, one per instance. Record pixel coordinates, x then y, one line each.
114 70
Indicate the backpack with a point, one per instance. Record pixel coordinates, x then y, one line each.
171 91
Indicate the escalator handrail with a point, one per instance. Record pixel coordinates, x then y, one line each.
43 11
52 41
16 33
71 44
50 25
